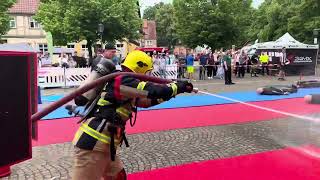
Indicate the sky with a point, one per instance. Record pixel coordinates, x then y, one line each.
146 3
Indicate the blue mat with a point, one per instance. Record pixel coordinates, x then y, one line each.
202 100
51 98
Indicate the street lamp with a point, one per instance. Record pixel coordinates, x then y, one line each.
316 35
100 31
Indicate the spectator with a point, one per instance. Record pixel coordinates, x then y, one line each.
210 67
282 62
82 62
227 68
203 64
71 62
162 67
63 61
190 68
264 59
181 65
235 58
254 64
243 58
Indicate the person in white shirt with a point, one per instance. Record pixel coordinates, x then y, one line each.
162 67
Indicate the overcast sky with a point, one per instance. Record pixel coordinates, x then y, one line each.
146 3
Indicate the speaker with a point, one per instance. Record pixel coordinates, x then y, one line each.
17 92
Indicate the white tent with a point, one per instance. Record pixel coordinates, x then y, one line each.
21 47
286 41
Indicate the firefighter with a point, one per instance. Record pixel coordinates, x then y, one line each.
98 137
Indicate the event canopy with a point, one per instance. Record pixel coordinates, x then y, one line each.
286 41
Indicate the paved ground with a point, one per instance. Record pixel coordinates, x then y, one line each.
217 85
168 148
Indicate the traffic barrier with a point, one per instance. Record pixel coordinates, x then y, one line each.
72 77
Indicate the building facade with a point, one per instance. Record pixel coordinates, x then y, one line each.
23 28
149 34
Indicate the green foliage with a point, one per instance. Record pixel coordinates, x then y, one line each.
276 17
4 17
166 33
76 20
214 23
150 12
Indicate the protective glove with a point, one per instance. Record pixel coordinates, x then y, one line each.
184 86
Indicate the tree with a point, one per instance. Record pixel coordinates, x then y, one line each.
74 20
150 12
166 34
306 19
214 23
4 17
276 17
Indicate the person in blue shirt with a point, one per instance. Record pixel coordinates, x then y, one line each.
190 68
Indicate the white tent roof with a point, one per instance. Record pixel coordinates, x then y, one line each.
21 47
286 41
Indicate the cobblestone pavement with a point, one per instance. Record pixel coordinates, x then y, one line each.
169 148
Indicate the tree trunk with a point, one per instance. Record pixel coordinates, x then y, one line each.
89 46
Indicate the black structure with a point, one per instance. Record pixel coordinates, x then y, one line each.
17 93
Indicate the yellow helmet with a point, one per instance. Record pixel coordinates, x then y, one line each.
138 62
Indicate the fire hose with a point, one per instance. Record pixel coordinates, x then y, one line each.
37 116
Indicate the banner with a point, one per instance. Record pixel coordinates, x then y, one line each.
299 61
50 44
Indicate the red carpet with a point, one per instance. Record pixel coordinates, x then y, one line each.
286 164
62 130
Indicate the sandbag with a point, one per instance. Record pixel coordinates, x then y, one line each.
308 84
312 99
277 90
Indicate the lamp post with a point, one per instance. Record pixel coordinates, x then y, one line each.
316 35
100 31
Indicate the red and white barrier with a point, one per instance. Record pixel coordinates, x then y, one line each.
73 77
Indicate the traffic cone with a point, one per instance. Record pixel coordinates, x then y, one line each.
5 171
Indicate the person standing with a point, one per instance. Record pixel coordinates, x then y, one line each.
226 61
162 67
282 62
190 68
243 58
210 67
102 131
264 59
254 62
203 64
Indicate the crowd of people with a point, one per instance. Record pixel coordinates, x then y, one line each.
221 64
74 60
218 64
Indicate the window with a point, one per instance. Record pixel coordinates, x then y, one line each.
119 45
43 48
33 24
3 41
70 46
12 22
148 42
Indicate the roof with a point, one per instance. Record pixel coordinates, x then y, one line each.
25 7
151 49
149 29
286 41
